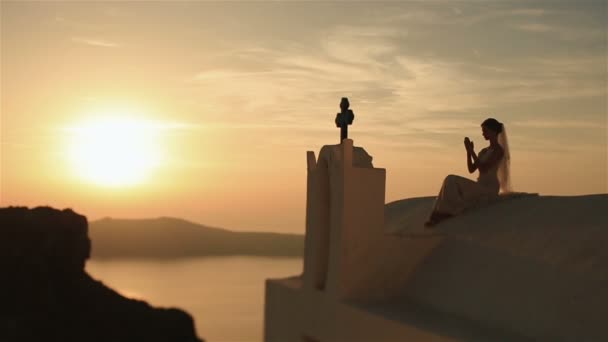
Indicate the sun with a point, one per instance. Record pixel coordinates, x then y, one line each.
114 152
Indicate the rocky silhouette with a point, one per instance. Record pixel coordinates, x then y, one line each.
47 295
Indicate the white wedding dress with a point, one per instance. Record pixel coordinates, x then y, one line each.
458 194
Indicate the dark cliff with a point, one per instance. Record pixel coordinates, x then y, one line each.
46 294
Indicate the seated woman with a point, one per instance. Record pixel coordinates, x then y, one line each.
458 193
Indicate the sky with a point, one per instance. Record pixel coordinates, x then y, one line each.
227 97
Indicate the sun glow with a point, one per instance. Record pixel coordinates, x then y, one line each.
114 152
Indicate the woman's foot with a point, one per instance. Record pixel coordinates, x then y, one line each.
435 218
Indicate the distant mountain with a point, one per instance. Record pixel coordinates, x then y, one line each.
167 237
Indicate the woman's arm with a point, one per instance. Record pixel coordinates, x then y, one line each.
472 160
471 156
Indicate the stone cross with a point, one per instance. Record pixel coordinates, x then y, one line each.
344 118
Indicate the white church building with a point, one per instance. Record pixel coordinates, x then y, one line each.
529 268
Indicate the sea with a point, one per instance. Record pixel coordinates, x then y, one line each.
225 295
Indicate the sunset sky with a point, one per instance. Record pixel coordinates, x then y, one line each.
211 106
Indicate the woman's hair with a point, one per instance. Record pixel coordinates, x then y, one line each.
493 124
504 168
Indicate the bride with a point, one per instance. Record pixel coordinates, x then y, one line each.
458 193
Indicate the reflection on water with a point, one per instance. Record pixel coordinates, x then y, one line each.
224 294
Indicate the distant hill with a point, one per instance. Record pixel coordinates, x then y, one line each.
167 237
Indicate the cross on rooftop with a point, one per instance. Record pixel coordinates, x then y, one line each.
344 118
